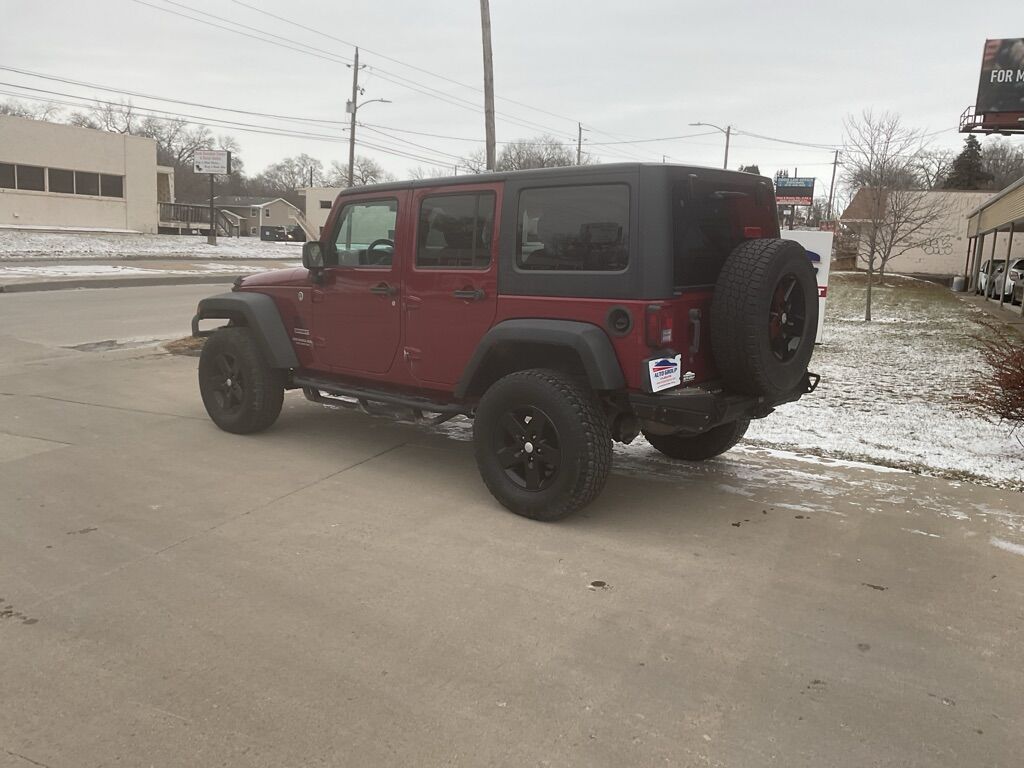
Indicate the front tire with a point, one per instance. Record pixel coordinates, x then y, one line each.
241 392
542 444
706 445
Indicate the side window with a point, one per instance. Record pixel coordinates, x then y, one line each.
455 231
366 234
573 229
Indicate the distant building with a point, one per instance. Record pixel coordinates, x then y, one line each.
943 250
66 177
265 217
318 205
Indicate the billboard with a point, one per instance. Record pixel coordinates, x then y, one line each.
794 191
1001 88
211 161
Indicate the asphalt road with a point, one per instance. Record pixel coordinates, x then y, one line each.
342 591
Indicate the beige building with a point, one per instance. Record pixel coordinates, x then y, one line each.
318 205
942 250
66 177
263 217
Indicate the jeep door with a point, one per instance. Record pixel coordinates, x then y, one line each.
451 279
357 322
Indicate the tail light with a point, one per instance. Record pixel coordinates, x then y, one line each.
658 326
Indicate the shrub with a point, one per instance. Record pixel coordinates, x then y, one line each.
999 392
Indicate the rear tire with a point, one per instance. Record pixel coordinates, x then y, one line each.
764 316
241 392
706 445
542 444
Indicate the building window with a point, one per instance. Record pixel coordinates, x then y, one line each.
252 230
31 177
61 180
326 204
266 213
455 231
112 186
6 176
87 183
254 212
574 229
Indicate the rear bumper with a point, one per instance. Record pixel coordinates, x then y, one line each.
697 410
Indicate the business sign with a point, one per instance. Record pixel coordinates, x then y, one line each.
794 191
212 161
1001 88
819 250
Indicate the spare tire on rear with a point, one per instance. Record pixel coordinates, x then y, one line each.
764 316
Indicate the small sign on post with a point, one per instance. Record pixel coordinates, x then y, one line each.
212 162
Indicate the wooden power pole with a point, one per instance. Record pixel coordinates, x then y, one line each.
352 124
485 23
832 186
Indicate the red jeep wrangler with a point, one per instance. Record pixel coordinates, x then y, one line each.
560 308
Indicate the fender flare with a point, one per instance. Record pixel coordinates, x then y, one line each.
256 311
589 341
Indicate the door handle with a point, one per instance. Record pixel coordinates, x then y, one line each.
383 289
470 294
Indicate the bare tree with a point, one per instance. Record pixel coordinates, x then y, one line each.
433 172
115 118
881 161
539 152
365 170
932 167
1004 160
44 111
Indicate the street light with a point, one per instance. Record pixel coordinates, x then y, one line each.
352 107
727 131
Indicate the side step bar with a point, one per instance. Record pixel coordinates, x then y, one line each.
373 403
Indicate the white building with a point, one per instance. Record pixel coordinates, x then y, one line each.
319 201
942 251
62 176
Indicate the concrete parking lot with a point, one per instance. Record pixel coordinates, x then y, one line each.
343 591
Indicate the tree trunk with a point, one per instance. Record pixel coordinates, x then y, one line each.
867 306
881 273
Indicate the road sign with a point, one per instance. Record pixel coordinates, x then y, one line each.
212 161
794 191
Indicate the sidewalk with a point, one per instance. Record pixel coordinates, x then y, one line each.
115 273
1008 314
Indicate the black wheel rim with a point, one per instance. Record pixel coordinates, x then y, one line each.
528 448
787 318
227 383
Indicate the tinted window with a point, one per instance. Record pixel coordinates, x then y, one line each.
111 186
455 231
362 225
87 183
574 228
61 181
31 177
6 176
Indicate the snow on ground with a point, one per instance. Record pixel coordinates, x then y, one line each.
21 244
888 388
49 271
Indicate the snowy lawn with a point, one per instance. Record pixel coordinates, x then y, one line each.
888 387
19 244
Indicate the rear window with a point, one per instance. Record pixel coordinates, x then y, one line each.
709 220
573 229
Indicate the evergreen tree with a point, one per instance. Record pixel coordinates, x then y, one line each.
968 171
751 169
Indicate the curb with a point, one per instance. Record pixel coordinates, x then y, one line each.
119 282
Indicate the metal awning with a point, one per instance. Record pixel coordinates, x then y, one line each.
999 212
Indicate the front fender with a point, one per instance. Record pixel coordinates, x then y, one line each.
257 312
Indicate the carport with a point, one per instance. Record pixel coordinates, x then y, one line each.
1001 213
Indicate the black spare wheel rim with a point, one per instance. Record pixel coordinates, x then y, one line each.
227 383
787 318
529 448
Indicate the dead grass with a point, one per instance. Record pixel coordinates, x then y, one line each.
190 346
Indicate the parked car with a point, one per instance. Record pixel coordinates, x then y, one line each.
982 288
1005 279
561 309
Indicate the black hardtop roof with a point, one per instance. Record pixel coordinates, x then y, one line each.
569 172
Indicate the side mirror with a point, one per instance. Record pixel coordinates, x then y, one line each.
312 256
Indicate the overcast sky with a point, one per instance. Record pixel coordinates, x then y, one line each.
626 70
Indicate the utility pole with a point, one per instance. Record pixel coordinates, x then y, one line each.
579 143
352 125
832 186
728 132
485 24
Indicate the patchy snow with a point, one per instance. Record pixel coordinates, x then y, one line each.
51 271
888 388
22 244
921 533
1008 546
